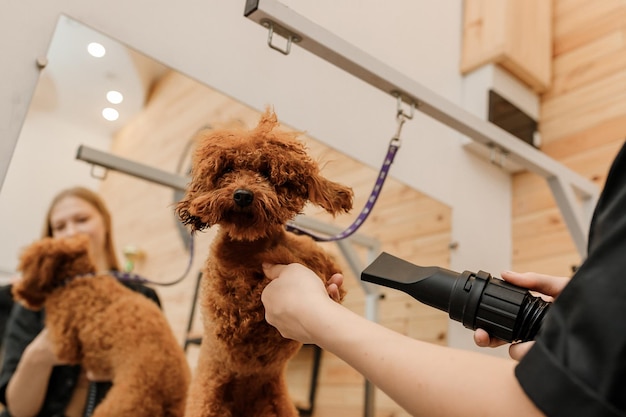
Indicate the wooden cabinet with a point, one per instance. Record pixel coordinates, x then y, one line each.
515 34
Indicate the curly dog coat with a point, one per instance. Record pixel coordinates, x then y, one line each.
250 183
95 321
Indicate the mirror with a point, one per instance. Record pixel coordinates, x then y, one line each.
161 111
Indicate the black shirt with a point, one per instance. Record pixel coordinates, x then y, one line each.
577 366
23 326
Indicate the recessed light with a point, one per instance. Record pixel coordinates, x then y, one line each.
110 114
96 49
115 97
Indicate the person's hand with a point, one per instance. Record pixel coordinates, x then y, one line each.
545 286
293 296
333 285
99 376
40 350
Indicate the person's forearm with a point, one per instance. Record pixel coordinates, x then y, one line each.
27 388
423 378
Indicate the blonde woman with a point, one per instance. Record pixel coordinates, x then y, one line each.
32 381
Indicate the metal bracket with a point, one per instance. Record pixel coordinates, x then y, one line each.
279 30
497 156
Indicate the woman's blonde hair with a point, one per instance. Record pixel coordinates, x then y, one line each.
94 199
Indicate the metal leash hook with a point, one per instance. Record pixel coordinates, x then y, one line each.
401 117
97 176
394 145
273 28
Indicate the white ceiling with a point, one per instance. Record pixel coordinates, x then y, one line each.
73 84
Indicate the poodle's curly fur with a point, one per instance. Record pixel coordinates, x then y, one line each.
95 321
250 183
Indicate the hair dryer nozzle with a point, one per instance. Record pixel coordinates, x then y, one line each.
477 300
430 285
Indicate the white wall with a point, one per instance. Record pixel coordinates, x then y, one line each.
43 163
211 41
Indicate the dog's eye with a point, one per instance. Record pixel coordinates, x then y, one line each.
266 173
226 170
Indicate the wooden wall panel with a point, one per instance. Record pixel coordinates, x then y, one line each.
577 22
588 63
407 223
515 34
587 105
582 123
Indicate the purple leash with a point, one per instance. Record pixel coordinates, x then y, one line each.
394 144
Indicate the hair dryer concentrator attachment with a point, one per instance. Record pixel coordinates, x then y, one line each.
477 300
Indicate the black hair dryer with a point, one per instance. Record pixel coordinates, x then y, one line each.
477 300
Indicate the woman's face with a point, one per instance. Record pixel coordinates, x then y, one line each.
71 216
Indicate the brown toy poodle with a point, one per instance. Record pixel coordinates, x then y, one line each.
250 183
95 321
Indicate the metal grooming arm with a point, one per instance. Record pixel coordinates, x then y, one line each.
135 169
567 186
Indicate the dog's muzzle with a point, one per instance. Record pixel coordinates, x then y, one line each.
243 197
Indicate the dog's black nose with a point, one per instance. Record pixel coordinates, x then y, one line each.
243 198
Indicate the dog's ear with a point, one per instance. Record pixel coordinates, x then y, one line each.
182 211
36 274
209 163
333 197
29 290
45 264
187 208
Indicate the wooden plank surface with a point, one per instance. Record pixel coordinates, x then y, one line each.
582 123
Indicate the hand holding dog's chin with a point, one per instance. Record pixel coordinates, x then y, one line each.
294 300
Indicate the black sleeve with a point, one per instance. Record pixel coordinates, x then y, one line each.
6 304
577 366
22 327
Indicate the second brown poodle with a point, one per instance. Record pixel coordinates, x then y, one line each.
250 183
95 321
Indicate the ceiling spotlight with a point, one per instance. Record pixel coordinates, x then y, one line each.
110 114
96 49
115 97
